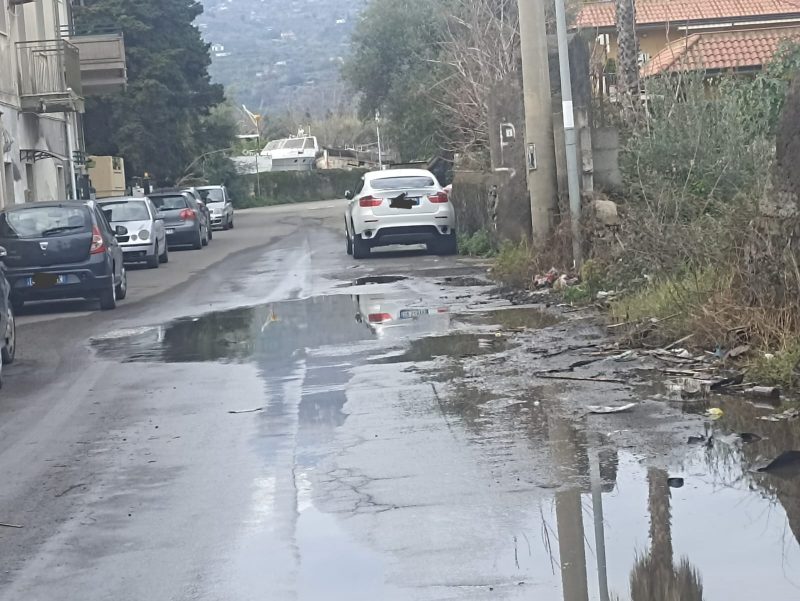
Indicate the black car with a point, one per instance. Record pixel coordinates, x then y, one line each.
59 250
8 326
184 219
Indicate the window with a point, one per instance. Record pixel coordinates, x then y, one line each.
170 203
116 212
402 183
30 179
42 222
8 179
3 18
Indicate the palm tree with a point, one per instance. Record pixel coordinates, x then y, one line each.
628 56
654 576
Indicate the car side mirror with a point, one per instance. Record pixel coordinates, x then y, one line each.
348 195
3 252
121 230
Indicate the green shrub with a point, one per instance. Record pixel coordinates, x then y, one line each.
478 244
780 369
513 265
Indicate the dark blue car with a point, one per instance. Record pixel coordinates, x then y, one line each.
61 250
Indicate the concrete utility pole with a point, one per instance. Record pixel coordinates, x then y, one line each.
570 137
542 183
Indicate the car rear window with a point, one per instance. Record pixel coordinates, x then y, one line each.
44 222
212 195
125 211
402 183
169 203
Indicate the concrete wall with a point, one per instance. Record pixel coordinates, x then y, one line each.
605 148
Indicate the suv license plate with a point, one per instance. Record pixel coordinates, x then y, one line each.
169 231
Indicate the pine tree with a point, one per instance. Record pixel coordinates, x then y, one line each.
155 124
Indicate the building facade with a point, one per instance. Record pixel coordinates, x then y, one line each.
45 73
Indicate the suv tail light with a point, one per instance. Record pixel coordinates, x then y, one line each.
379 317
98 245
370 201
188 215
439 198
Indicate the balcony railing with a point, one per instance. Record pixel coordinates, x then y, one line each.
102 62
49 77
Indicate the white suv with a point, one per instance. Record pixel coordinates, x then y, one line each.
403 206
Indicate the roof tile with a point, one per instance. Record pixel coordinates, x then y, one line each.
721 50
653 12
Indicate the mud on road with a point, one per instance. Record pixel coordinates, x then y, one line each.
296 426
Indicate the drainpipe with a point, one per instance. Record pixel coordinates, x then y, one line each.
71 151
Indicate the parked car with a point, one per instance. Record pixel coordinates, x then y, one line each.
206 211
220 204
8 324
184 222
404 206
60 250
146 240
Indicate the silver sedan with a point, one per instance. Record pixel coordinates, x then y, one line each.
145 240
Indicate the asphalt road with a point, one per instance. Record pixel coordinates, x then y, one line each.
268 419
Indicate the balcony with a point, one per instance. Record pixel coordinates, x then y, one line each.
49 77
102 62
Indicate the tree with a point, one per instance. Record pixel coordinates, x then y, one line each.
156 123
628 56
395 68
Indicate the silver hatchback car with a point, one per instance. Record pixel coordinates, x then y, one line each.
145 240
403 206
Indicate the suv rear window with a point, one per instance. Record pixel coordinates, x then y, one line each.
44 222
169 203
135 210
402 183
212 195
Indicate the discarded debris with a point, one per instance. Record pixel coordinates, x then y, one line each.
675 482
246 411
697 439
599 409
785 464
715 413
626 356
749 437
546 376
2 525
691 387
789 414
772 392
739 351
732 380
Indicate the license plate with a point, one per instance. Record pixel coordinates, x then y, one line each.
170 231
45 280
412 313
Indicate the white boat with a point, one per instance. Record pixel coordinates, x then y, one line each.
297 153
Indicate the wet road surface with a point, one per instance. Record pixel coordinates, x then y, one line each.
288 424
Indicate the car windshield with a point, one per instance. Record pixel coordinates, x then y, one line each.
40 222
212 195
169 203
403 183
125 211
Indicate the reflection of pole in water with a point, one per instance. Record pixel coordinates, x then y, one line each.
572 551
569 515
599 527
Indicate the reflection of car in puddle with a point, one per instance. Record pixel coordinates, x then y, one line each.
390 317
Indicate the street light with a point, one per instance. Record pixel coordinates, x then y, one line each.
256 119
378 127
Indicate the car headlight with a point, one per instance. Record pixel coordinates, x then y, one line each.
144 235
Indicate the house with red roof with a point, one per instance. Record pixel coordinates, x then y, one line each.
708 35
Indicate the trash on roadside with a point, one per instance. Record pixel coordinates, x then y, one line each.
697 439
749 437
675 482
785 464
546 280
601 410
682 353
693 387
2 525
739 351
626 356
246 411
772 392
788 415
715 413
560 283
734 379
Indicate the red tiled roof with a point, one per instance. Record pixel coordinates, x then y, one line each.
654 12
721 50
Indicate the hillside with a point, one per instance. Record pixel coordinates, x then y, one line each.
275 55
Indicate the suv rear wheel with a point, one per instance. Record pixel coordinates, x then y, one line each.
361 248
121 289
108 297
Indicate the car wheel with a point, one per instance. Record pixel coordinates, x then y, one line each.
210 233
205 238
108 297
230 225
361 248
446 245
154 261
164 256
121 289
9 350
198 242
